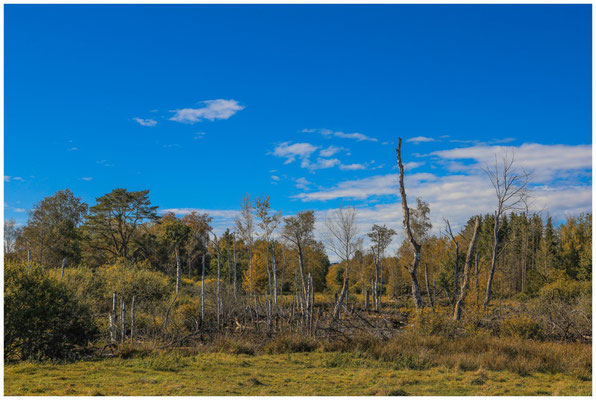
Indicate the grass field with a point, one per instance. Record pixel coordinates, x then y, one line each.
314 373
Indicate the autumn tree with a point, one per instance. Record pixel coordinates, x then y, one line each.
176 233
53 227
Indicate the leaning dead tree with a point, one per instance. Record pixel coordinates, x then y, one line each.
456 266
341 237
511 189
467 267
413 269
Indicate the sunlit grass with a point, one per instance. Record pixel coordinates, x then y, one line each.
314 373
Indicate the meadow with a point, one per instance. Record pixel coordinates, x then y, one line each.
289 366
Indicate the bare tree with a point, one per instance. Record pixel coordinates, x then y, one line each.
298 230
511 189
413 269
467 267
456 266
341 238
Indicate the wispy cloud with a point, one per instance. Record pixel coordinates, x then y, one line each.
321 163
13 178
222 219
330 151
303 183
87 178
212 110
420 139
145 122
294 151
352 167
355 135
105 163
546 162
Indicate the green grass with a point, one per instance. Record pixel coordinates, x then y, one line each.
314 373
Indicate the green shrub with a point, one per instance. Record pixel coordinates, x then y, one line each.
521 327
42 318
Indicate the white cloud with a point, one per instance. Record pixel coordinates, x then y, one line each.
330 151
303 183
322 163
412 164
546 162
213 109
275 177
199 135
456 197
146 122
356 136
87 178
351 167
222 219
293 151
13 178
105 163
420 139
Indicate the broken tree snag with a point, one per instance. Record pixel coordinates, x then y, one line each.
430 299
132 319
113 317
467 267
63 265
413 269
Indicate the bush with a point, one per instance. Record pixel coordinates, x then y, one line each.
42 318
291 344
564 309
521 327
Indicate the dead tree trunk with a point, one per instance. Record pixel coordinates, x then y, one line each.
203 292
63 265
178 268
113 320
477 281
218 287
430 299
413 269
274 277
123 320
235 267
467 266
493 262
132 319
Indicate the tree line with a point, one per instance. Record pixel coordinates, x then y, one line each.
268 267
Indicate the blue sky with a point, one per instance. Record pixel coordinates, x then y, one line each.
201 104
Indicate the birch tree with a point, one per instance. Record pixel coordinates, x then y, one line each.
298 231
381 237
340 239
